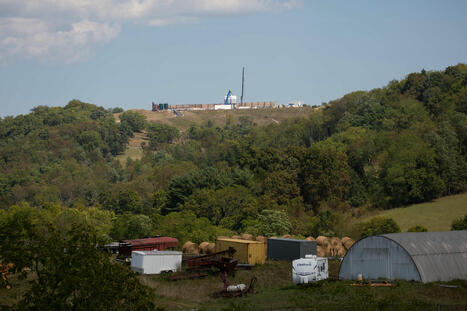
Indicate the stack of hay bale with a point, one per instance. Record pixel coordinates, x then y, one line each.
247 237
190 248
322 249
332 247
327 247
337 248
207 248
347 242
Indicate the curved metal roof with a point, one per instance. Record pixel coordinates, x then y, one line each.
439 256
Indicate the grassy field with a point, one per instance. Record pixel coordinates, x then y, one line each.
277 292
435 216
218 117
133 150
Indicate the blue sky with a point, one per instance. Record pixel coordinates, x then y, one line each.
129 53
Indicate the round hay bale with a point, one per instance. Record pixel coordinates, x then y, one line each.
330 251
348 243
345 239
341 251
262 239
336 242
193 250
286 236
211 249
321 252
247 237
203 247
323 241
190 248
223 237
237 237
310 238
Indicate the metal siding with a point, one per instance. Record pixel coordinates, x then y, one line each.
308 248
289 249
439 256
377 257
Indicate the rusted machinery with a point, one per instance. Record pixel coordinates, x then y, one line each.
201 266
5 270
238 290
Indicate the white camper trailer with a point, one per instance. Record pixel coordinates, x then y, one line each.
155 262
309 269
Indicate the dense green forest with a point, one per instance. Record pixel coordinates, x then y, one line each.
389 147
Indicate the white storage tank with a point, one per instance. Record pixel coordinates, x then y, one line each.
222 107
155 262
309 269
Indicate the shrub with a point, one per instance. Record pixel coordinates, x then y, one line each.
417 228
459 223
379 225
117 110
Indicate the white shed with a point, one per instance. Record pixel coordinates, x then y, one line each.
155 262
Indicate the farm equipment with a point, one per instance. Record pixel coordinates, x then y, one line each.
239 290
5 270
201 266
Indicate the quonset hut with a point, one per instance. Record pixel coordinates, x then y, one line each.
412 256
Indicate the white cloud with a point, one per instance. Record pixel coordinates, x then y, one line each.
67 30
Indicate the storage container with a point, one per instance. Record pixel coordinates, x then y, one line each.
290 249
155 262
250 252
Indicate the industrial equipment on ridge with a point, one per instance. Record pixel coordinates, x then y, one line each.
160 106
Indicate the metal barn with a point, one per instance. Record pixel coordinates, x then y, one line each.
413 256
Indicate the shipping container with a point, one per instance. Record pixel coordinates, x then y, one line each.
290 249
156 262
250 252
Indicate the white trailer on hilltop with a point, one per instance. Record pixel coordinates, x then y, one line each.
309 269
156 262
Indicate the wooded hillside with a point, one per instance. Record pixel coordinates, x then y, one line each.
389 147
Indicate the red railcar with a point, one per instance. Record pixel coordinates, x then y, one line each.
147 244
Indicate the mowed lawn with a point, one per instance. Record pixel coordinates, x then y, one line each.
435 216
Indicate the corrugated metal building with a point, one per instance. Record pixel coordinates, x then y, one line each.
418 256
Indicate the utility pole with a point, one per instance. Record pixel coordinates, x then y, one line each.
243 85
